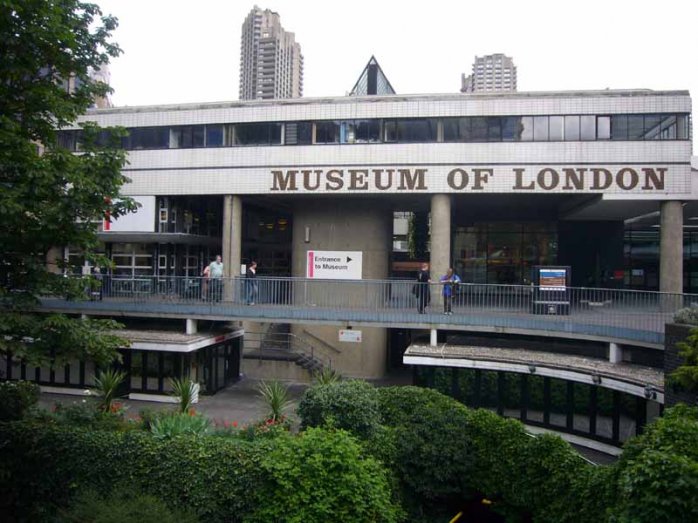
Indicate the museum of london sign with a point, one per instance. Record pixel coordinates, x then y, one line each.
499 179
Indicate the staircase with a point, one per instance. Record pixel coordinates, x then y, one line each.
279 344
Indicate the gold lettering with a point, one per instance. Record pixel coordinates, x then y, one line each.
462 175
334 180
412 182
357 179
656 179
597 183
574 179
306 180
481 177
554 179
621 179
378 174
284 183
518 186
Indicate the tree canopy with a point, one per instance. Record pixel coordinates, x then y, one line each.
49 196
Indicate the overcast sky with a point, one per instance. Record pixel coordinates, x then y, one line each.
189 51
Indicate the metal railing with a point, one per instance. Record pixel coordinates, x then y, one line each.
285 342
400 300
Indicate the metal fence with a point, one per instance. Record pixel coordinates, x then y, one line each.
629 309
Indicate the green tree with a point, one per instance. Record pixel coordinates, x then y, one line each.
686 375
50 197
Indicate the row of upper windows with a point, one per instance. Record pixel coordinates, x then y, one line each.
469 129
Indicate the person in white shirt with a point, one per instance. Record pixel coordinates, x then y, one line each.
213 275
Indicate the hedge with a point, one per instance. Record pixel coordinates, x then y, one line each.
656 477
219 479
351 405
444 454
16 397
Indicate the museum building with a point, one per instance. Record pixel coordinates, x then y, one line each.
491 184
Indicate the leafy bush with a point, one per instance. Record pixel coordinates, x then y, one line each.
322 476
349 405
43 467
16 397
687 315
686 375
657 474
168 426
319 476
123 507
88 415
446 453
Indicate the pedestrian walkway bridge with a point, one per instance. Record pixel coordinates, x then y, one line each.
609 315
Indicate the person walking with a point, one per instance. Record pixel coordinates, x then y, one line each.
213 275
450 282
251 283
422 291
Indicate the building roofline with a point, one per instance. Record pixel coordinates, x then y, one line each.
388 98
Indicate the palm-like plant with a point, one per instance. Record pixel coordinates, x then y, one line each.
185 390
276 397
107 384
326 376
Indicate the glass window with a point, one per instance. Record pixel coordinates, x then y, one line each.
494 129
298 133
619 127
603 128
527 129
327 132
668 127
511 129
258 134
636 127
478 129
571 128
390 131
214 135
682 127
367 131
452 129
587 127
417 130
540 129
556 128
148 138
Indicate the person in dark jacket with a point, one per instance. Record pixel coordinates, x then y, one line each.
251 283
422 288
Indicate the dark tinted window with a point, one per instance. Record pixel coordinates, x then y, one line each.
416 130
257 134
214 135
327 132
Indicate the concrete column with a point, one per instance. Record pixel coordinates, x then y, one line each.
192 326
232 241
433 337
671 247
615 353
440 243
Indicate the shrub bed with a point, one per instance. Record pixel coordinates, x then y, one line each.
16 397
218 479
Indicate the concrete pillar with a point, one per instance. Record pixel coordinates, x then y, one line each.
192 326
440 243
433 337
232 241
671 247
615 353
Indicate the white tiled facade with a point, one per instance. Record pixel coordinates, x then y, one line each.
249 169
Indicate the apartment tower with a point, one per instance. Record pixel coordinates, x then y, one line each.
492 72
271 63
